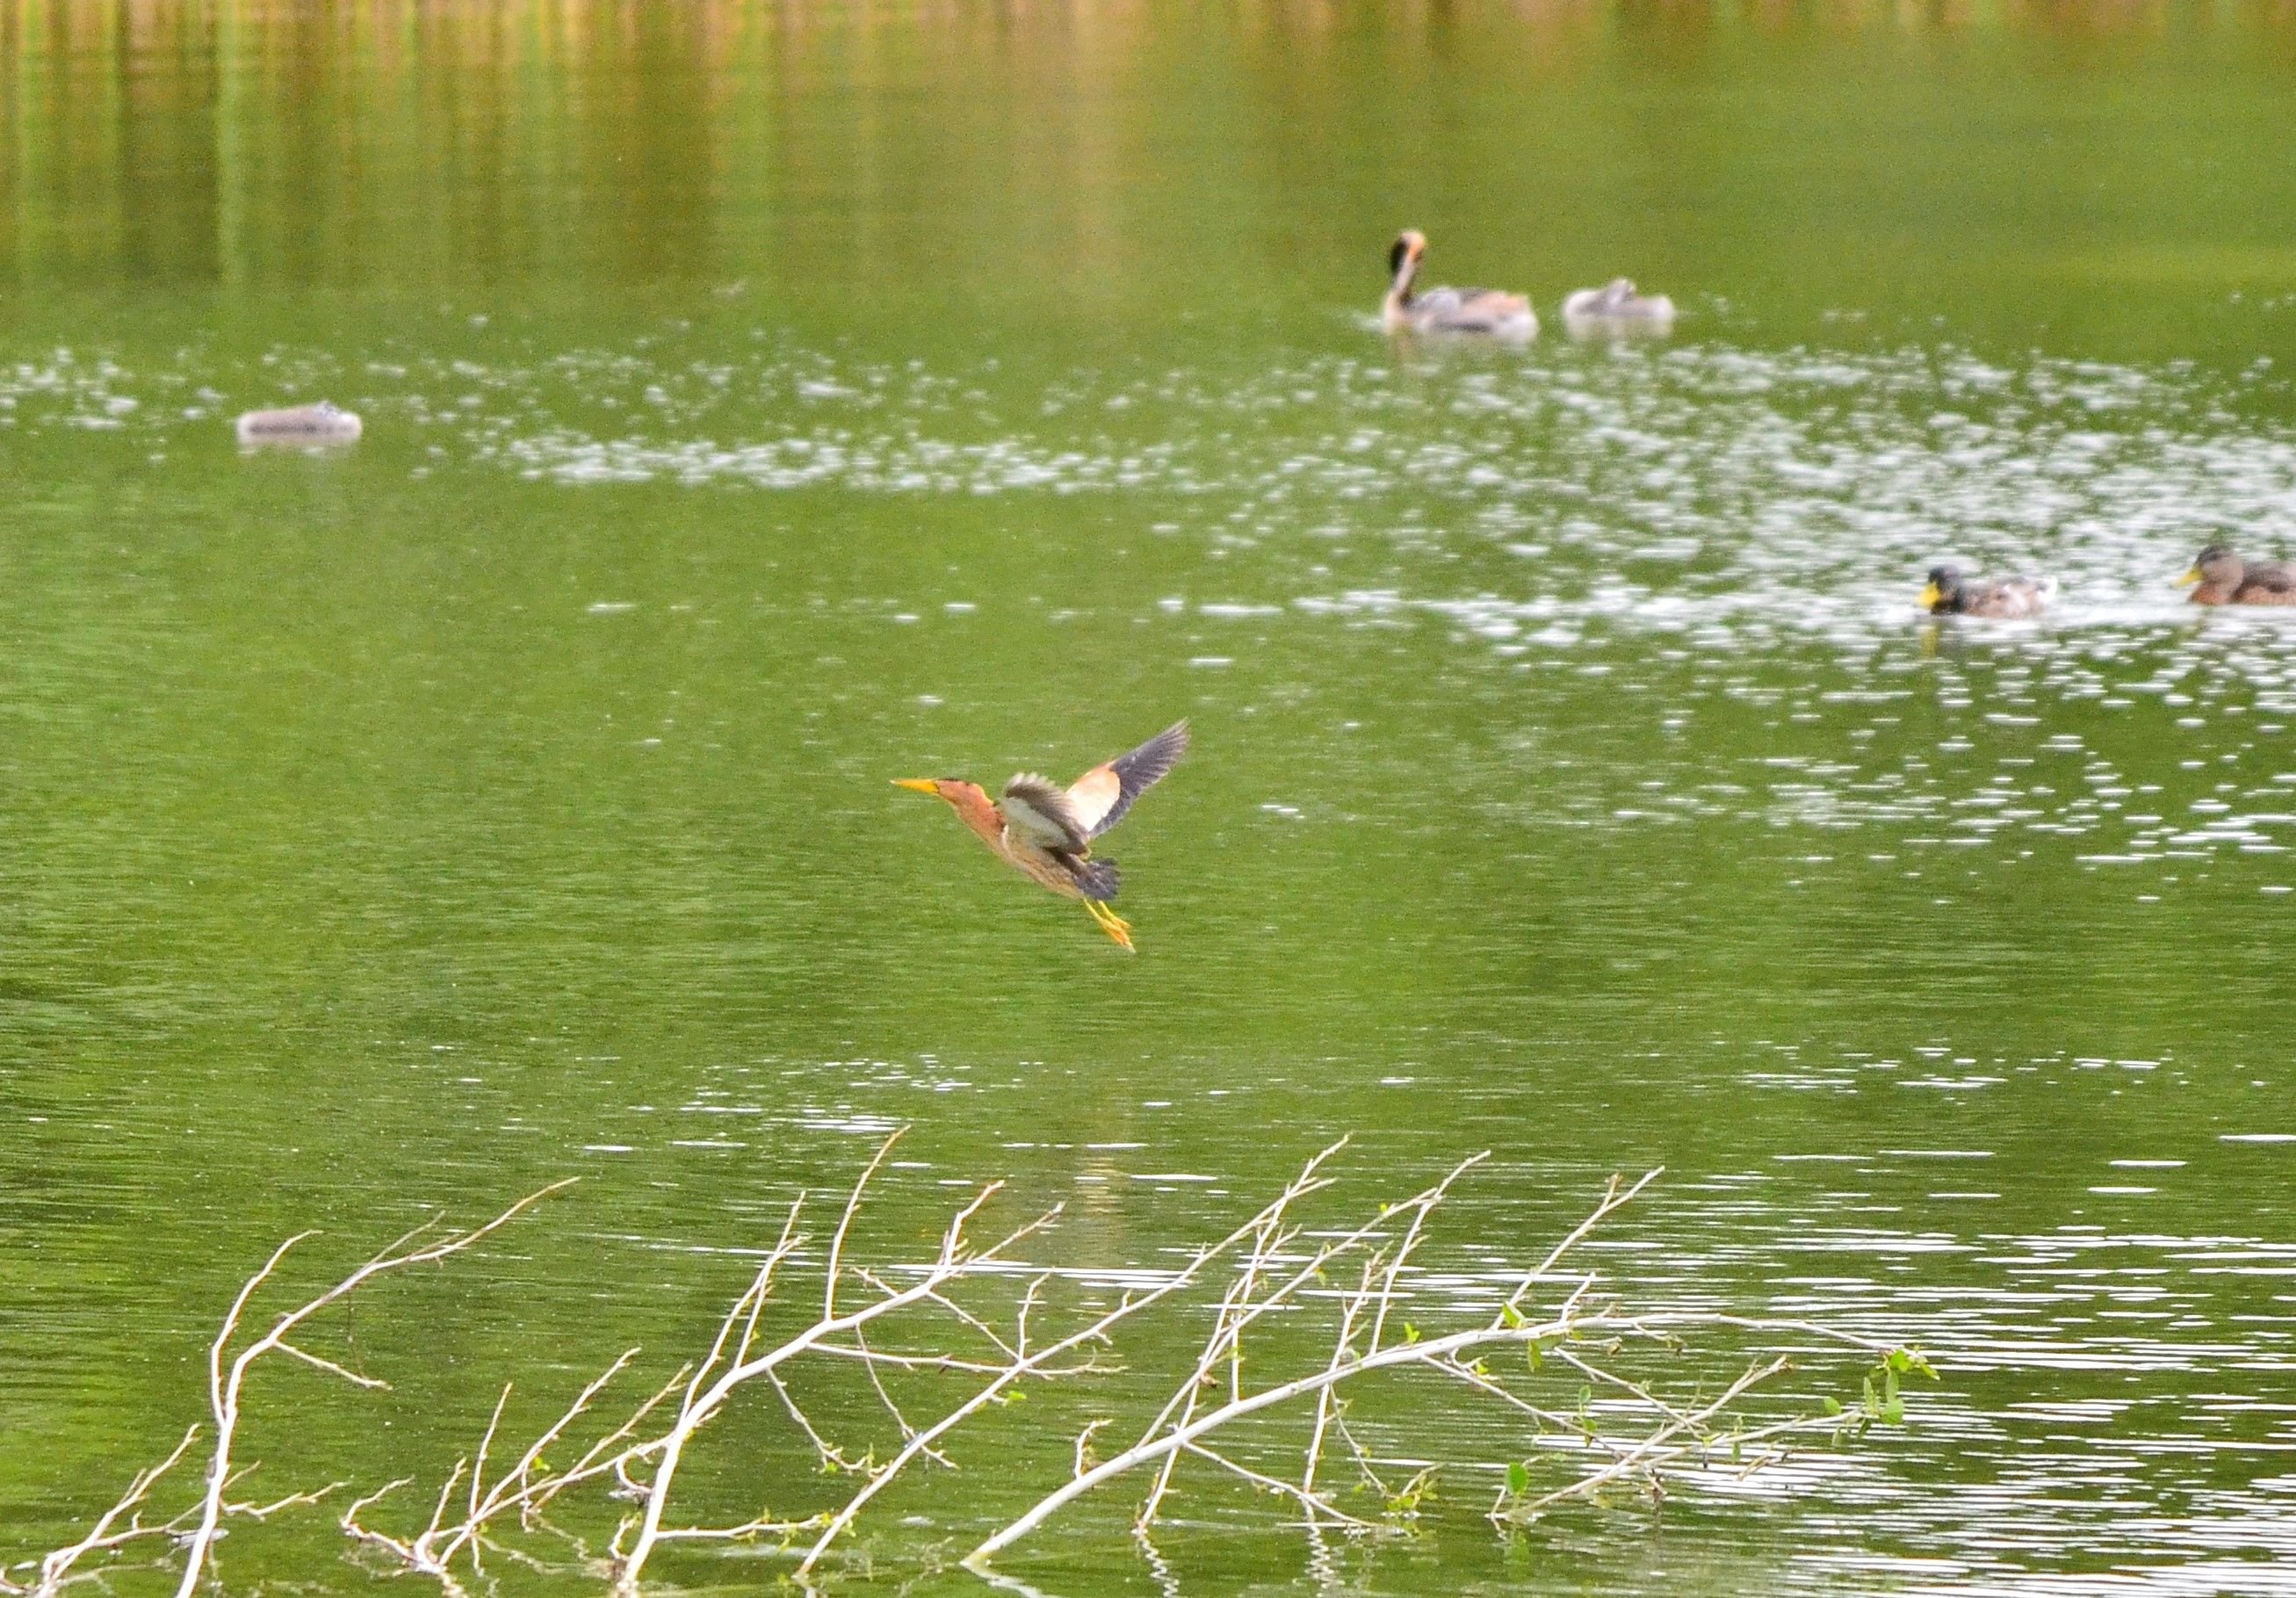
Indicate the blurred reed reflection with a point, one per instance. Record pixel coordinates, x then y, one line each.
268 145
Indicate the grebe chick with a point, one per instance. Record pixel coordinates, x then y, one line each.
2224 579
2007 599
1447 310
1617 303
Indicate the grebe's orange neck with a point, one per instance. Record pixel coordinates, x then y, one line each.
1403 266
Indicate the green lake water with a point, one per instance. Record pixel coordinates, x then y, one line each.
763 403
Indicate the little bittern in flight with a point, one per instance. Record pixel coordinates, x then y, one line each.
1046 832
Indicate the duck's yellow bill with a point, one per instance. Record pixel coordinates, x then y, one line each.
2189 578
1930 597
921 785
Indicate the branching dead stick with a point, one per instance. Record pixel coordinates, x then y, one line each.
910 1362
1315 1509
1037 1363
56 1567
1004 1349
515 1486
1423 1207
845 1223
1211 1419
1227 1335
1651 1323
352 1524
602 1458
1027 1364
1262 1227
1228 1330
738 1534
1342 1350
1428 1351
1483 1384
1279 1265
746 1308
1640 1454
1596 1375
1192 1392
953 1261
1613 1199
225 1385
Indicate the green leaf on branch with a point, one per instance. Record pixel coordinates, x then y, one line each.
1909 1362
1518 1478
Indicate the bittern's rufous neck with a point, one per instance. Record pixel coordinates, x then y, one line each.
973 805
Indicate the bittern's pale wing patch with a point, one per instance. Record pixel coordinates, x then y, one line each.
1099 799
1041 813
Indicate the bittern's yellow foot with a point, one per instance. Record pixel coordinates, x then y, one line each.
1111 923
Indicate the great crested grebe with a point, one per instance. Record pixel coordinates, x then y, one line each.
2224 579
2008 598
1616 304
1447 310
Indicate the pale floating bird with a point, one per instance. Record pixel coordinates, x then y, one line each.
1488 311
2220 578
302 425
1045 831
1617 306
2007 599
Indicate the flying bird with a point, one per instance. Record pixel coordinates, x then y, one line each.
1045 831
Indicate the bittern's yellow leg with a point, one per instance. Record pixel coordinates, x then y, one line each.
1111 923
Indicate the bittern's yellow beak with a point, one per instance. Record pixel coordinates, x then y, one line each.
1930 597
2189 578
922 784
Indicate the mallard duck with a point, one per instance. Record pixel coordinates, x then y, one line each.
1617 303
2008 598
1447 310
2220 578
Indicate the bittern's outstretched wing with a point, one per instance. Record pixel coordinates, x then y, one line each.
1099 799
1042 814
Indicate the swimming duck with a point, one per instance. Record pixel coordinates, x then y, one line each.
1617 302
2008 598
1447 310
2220 578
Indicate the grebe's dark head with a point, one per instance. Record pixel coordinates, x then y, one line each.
1410 244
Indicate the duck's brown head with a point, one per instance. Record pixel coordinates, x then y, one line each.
2216 566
